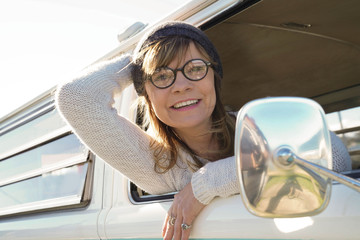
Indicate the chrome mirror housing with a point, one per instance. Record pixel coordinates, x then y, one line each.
272 134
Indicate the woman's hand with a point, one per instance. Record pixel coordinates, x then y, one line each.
183 211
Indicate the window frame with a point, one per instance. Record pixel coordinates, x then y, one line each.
21 118
136 199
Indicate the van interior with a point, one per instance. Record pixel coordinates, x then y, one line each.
291 48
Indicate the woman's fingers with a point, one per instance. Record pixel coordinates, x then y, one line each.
185 209
180 230
168 226
169 233
165 225
186 228
173 224
177 228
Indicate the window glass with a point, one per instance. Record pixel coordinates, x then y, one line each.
26 133
350 118
60 183
344 119
44 156
352 140
51 172
333 121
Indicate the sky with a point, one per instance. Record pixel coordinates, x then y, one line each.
44 42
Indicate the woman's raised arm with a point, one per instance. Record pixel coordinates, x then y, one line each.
86 104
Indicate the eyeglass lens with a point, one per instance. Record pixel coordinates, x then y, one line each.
194 70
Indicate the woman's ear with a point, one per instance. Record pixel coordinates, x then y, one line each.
138 78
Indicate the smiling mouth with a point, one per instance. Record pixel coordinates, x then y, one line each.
185 104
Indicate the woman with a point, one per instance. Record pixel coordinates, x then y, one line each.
177 72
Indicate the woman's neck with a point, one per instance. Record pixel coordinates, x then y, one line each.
201 142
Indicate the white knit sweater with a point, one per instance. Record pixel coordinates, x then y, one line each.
86 104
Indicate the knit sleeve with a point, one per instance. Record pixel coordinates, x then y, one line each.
340 155
86 104
219 179
215 179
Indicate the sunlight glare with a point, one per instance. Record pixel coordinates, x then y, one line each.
287 225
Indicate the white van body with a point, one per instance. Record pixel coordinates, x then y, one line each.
101 203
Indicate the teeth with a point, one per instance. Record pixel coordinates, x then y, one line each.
184 104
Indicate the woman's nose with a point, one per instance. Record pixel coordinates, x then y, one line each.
181 83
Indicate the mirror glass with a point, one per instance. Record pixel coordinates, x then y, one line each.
271 186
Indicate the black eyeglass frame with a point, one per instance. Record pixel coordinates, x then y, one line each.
174 71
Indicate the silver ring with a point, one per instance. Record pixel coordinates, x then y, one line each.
184 226
172 220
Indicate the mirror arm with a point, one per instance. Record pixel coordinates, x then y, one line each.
286 157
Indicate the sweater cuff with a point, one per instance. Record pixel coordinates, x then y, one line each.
215 179
201 192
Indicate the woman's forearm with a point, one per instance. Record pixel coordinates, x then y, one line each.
86 104
215 179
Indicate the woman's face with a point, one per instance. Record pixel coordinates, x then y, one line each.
185 104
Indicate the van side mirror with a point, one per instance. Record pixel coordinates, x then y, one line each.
284 159
268 131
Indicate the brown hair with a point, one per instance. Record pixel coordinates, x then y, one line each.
166 140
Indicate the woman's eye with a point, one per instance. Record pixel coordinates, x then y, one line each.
161 76
197 69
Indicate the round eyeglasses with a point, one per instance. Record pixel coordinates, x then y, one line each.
194 70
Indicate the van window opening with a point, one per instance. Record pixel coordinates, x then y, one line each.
43 166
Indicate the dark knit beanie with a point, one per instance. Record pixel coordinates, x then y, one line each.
165 30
